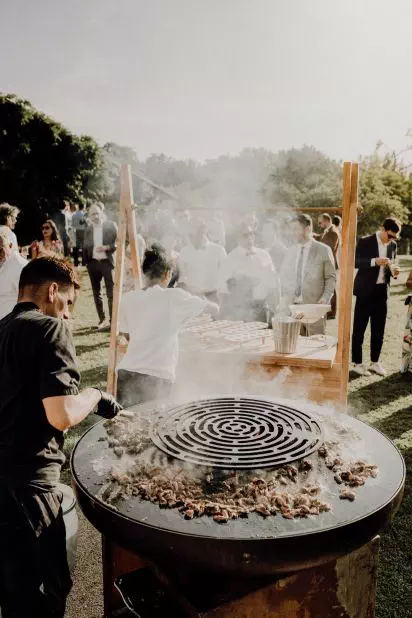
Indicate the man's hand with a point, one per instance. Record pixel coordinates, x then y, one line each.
382 261
108 407
396 271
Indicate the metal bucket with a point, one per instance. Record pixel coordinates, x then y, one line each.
285 334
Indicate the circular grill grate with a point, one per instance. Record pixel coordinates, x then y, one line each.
237 433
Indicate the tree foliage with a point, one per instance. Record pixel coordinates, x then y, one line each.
42 164
384 191
304 178
307 178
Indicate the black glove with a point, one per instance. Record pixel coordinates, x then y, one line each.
107 407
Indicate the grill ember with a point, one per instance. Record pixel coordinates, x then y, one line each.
229 457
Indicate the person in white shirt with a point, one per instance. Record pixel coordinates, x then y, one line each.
199 263
183 226
11 265
152 318
216 230
270 241
8 219
248 283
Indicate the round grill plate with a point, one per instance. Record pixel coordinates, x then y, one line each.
237 433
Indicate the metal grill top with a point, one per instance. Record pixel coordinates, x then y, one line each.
237 433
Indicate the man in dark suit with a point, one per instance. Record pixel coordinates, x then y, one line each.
375 259
99 246
330 237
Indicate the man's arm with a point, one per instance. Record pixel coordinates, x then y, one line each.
329 278
59 380
111 247
366 261
333 241
66 411
211 308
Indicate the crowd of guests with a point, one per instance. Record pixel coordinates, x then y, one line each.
251 269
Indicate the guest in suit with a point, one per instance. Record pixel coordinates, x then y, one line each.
308 272
375 258
98 248
330 237
337 222
60 219
78 227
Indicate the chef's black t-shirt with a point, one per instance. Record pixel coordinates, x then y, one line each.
37 360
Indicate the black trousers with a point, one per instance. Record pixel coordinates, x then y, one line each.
98 270
78 249
373 308
34 574
134 388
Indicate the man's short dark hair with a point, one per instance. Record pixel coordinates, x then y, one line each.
49 269
337 220
391 224
303 220
326 217
6 210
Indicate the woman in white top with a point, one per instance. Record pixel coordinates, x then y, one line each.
152 318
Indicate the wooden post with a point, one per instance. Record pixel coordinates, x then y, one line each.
134 249
349 223
126 201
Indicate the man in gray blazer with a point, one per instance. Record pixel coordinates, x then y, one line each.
99 246
308 272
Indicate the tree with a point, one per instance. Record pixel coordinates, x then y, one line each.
304 178
43 164
384 191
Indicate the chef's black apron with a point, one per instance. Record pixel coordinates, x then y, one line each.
34 574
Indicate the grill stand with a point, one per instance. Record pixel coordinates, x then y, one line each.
344 588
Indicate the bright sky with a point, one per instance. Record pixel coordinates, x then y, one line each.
200 78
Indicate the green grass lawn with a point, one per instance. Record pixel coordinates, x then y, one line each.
384 402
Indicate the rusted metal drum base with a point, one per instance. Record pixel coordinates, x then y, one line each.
344 588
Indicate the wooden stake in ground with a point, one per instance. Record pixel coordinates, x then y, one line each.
347 265
126 227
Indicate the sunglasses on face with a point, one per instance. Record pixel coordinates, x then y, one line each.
46 227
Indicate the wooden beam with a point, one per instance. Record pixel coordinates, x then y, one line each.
126 201
347 264
335 210
308 210
140 176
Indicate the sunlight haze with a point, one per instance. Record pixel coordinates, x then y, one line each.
198 79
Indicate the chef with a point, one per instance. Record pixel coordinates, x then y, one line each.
40 400
248 283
